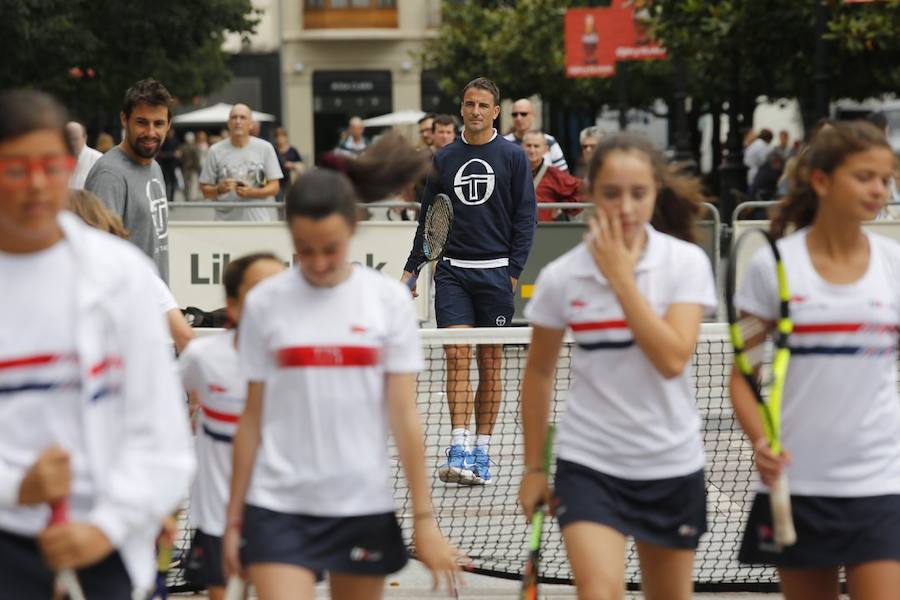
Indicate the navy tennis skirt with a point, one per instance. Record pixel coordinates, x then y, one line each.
25 574
665 512
830 532
361 545
204 563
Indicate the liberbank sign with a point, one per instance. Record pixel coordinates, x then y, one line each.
200 251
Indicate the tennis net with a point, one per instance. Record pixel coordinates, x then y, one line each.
485 522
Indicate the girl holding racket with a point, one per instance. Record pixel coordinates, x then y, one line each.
840 414
211 374
91 416
331 352
630 456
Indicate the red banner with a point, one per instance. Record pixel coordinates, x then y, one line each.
598 37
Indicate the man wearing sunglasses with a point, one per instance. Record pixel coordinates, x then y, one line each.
523 122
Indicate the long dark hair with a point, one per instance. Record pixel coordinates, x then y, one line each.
679 197
386 167
25 111
829 147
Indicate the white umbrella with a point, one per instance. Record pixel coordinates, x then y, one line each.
401 117
216 114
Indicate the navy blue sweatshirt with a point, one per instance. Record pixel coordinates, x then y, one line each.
494 211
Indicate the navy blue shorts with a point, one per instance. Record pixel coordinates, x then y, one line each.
203 568
25 574
363 545
665 512
830 532
476 297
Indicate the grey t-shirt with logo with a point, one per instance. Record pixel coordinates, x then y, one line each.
137 193
253 164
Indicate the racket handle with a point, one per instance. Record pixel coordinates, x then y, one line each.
411 282
236 588
782 519
59 511
68 581
66 578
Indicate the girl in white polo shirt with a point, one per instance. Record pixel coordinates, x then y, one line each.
841 413
211 373
331 351
630 456
90 409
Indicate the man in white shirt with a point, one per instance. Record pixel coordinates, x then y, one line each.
756 153
523 122
355 143
87 156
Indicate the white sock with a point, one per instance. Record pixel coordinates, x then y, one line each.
460 437
482 441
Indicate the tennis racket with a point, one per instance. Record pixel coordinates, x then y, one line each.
529 590
438 223
754 341
65 578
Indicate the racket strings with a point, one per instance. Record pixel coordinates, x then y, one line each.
758 347
437 229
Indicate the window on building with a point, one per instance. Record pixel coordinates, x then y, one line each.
337 14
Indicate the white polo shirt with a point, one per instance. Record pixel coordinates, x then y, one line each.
622 417
209 367
840 412
323 354
40 378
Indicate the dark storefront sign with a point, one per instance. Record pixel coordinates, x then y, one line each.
339 95
366 93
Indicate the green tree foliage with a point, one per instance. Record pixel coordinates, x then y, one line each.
87 52
772 42
519 44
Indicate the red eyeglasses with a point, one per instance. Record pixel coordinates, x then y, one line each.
17 171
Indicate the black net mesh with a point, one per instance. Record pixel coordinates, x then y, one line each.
484 521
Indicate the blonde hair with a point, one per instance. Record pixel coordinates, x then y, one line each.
93 212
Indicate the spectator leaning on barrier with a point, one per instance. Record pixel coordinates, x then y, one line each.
85 155
443 129
523 122
128 179
550 184
241 168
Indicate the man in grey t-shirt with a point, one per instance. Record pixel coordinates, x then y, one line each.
128 179
241 168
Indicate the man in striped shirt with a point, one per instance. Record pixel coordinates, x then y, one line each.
523 121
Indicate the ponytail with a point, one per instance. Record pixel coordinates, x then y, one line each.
386 167
828 148
679 197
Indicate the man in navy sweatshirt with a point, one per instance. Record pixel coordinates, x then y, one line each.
488 179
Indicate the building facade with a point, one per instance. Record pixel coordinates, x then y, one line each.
345 58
